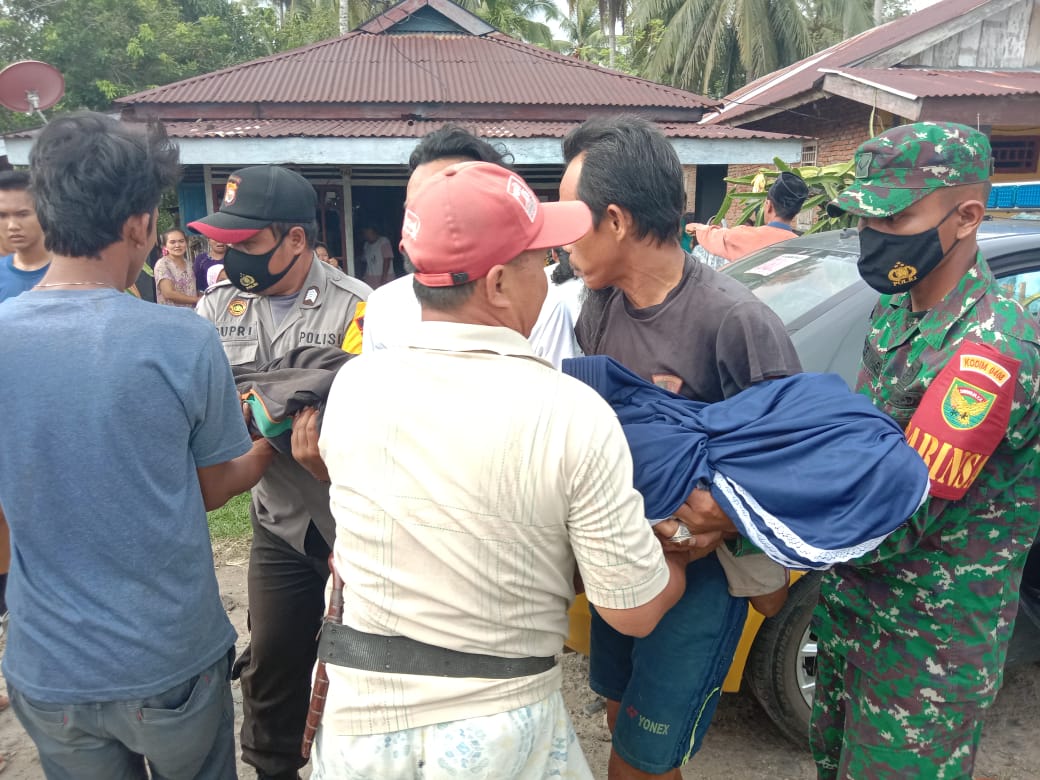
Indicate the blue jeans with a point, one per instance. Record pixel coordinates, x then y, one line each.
669 682
184 733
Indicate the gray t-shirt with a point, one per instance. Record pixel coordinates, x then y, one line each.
708 340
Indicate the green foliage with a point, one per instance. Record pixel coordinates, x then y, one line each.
110 48
716 46
894 9
824 182
587 41
518 18
712 46
231 521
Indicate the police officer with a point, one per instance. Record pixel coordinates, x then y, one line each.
278 296
913 637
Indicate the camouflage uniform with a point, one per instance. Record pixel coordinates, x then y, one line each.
912 638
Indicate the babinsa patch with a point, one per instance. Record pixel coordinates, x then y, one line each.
966 406
963 416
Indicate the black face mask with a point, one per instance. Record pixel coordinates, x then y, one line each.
893 264
249 273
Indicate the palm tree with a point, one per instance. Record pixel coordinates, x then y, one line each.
582 30
610 13
353 13
715 46
517 17
696 49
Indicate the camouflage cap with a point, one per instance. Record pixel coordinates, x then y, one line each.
902 165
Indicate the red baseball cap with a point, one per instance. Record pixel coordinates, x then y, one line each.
475 215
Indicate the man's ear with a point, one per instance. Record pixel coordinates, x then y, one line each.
969 216
296 239
494 286
618 221
139 230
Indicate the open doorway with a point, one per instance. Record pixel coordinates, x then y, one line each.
380 208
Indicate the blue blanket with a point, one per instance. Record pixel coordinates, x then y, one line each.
810 472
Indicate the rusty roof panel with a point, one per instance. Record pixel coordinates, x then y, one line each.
926 83
802 76
401 128
360 67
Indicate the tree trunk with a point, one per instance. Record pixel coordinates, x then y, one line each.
612 38
879 11
344 17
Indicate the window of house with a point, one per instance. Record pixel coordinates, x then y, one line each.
809 152
1015 153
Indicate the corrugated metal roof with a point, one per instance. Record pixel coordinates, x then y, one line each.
360 67
804 75
401 128
923 83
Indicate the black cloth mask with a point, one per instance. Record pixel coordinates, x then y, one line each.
893 264
250 273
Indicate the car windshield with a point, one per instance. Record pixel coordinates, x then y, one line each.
793 281
1024 288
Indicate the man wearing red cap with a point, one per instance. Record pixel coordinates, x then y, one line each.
463 499
278 296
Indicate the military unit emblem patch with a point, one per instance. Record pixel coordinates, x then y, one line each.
962 417
966 406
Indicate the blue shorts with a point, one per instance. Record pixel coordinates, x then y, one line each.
669 682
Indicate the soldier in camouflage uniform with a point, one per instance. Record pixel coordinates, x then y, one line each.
912 638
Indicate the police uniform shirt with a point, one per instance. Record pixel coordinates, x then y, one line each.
287 498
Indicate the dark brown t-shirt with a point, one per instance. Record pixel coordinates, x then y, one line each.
708 340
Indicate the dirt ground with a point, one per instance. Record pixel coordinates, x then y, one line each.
742 743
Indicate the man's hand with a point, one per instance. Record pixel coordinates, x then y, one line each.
305 443
684 546
703 517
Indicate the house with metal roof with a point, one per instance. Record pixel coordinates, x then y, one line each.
347 113
970 61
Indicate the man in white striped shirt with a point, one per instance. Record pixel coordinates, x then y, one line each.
476 481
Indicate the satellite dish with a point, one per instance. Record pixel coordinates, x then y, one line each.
31 86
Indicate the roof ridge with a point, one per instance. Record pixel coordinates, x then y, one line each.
449 9
566 59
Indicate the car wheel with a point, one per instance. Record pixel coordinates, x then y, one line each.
781 668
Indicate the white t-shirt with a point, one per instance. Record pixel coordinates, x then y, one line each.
476 479
552 336
375 253
392 312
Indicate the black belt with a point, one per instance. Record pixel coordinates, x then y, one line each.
344 646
